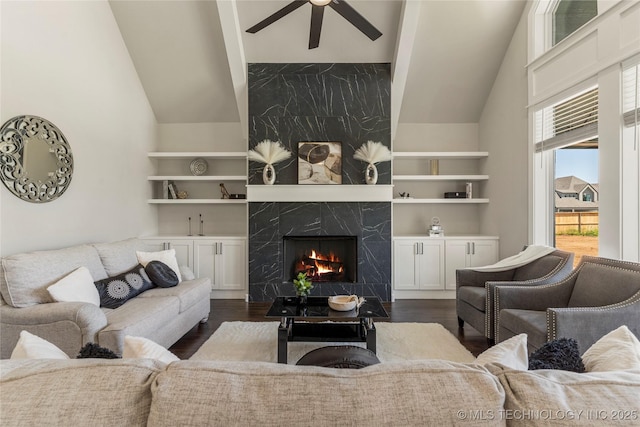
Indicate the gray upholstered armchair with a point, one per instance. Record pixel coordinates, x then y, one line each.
599 296
474 289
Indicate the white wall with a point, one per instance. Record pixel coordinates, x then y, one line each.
503 133
67 62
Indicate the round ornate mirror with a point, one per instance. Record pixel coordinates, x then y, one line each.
35 159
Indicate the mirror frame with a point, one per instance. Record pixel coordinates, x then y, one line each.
14 134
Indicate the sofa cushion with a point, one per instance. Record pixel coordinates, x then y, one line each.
560 354
545 397
188 292
161 274
30 346
118 257
143 348
412 393
94 351
76 286
617 350
25 277
474 295
94 392
599 284
511 353
119 289
168 257
139 317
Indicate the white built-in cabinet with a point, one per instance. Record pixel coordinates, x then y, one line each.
422 263
468 252
419 264
222 259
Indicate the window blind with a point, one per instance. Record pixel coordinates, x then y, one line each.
567 122
631 95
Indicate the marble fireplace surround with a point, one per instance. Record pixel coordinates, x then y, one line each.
370 222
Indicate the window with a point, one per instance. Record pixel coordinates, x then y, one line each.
566 153
569 15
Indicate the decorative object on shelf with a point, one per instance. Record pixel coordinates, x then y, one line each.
173 190
372 153
269 152
223 190
201 226
436 229
198 166
190 234
469 190
434 165
455 195
37 163
319 163
182 194
237 196
405 195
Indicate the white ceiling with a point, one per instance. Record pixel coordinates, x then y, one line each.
178 49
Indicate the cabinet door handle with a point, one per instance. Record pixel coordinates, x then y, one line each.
220 253
467 248
473 248
421 248
215 251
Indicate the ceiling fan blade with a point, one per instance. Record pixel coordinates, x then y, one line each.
355 18
317 13
277 15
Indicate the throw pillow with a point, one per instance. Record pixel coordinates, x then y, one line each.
143 348
161 274
560 354
119 289
619 350
168 257
76 286
94 351
511 353
30 346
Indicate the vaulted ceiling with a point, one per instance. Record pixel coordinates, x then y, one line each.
187 53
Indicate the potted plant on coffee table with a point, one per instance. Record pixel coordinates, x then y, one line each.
303 287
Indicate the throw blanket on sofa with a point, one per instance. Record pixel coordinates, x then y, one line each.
531 253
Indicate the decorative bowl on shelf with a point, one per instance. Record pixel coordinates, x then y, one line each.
198 166
344 302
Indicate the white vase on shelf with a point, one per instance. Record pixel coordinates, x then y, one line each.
371 174
268 174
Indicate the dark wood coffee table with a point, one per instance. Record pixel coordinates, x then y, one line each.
317 322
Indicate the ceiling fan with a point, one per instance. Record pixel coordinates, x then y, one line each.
317 13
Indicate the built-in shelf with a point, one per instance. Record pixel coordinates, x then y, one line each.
198 178
441 201
195 154
457 155
196 201
440 177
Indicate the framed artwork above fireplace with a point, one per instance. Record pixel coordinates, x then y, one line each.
319 163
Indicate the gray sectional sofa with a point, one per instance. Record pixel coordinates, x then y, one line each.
139 392
163 315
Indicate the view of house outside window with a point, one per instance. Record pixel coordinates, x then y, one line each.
576 199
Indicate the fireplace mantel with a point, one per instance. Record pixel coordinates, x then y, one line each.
319 193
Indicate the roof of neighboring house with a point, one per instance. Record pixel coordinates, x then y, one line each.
569 203
572 184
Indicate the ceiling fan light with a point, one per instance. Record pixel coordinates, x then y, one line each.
320 2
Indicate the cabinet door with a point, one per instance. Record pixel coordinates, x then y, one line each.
231 265
184 251
483 252
456 256
405 267
204 260
430 261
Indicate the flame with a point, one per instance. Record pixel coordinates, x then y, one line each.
323 269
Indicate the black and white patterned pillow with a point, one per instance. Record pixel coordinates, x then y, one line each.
119 289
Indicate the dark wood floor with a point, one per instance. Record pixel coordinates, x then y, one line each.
422 311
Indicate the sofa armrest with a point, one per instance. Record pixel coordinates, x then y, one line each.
532 297
68 325
572 321
468 277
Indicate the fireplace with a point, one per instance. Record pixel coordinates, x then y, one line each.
323 258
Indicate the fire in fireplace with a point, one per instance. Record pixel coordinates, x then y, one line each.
323 258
